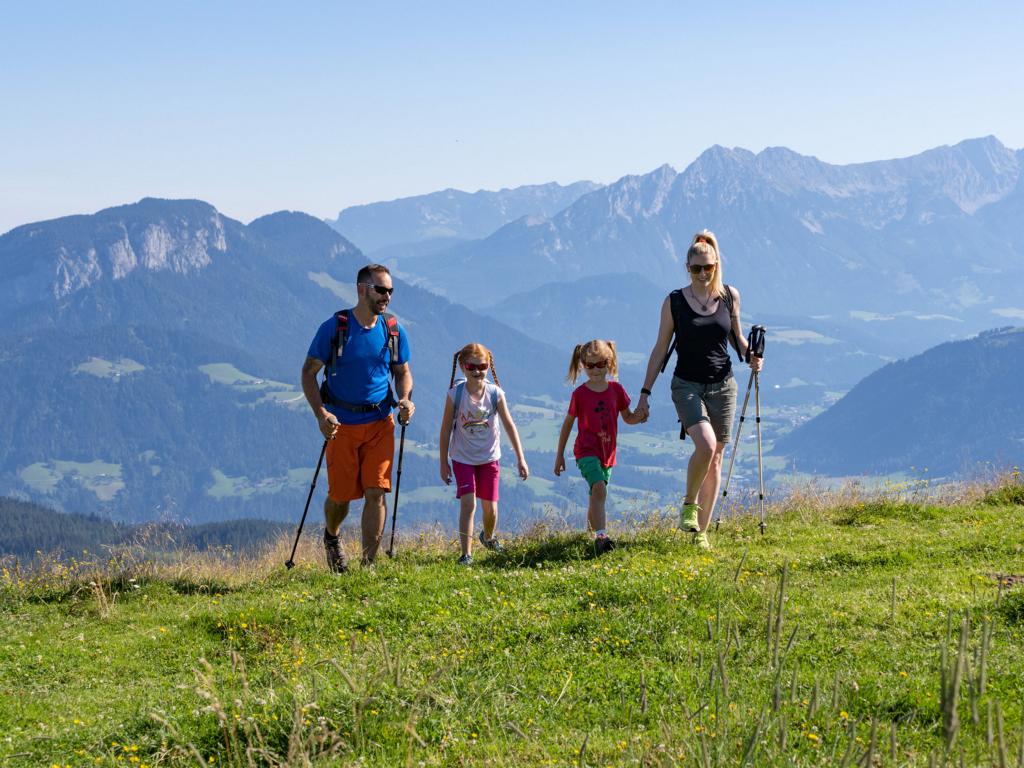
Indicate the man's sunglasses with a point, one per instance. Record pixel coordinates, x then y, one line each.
475 366
380 289
696 269
598 364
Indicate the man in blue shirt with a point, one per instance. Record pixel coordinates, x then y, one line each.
356 418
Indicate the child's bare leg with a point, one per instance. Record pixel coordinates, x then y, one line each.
467 506
595 509
490 517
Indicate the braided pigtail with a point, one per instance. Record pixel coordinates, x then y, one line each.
455 365
494 373
574 364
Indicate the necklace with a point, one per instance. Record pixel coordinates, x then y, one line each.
703 304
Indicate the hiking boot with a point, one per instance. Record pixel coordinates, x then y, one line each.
492 543
603 544
701 541
336 560
688 518
466 560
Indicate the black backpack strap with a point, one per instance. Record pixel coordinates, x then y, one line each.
391 330
339 339
675 301
729 303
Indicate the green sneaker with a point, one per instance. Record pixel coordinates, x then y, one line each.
688 518
702 541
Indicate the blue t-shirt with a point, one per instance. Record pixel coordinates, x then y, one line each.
361 376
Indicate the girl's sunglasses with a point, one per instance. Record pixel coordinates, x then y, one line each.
696 269
475 366
598 364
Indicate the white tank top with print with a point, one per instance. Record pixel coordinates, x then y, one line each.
476 433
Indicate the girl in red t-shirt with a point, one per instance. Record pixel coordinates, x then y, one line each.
597 404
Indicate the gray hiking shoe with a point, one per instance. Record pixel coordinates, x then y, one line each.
466 560
493 543
688 518
336 559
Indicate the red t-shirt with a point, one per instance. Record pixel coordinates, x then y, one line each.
597 421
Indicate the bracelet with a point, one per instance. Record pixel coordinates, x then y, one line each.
645 391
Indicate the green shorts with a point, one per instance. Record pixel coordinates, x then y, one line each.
593 471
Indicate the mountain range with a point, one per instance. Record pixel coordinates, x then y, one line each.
151 352
954 409
937 234
412 226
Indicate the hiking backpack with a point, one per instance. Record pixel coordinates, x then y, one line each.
457 398
337 349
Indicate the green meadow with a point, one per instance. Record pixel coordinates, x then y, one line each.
881 630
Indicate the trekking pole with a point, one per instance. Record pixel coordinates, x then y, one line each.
735 448
755 348
760 469
398 485
290 562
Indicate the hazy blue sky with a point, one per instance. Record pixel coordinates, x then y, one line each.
256 107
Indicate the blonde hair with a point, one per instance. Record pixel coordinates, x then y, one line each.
473 350
593 348
706 244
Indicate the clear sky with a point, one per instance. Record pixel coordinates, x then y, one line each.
262 106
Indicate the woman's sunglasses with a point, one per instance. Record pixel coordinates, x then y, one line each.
696 269
598 364
475 366
380 289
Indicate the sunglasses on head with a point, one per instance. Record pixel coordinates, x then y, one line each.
380 289
598 364
475 366
696 269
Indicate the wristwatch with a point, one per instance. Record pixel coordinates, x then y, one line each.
645 391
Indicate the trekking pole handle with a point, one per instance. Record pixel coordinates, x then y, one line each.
755 342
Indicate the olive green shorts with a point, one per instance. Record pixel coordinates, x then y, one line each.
594 471
714 403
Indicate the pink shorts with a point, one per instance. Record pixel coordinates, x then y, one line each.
481 479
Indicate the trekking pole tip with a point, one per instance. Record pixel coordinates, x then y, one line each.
289 564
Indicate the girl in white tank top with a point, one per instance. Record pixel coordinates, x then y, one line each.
471 440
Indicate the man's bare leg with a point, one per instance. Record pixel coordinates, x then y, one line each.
375 513
335 513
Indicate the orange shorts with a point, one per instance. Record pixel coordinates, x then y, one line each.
359 457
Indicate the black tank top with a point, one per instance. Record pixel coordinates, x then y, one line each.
702 343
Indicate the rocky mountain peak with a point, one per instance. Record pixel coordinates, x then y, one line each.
68 254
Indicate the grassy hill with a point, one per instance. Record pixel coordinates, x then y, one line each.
872 631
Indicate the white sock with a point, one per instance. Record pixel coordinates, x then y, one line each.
600 534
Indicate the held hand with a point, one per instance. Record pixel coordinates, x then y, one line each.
328 426
446 473
756 364
559 465
642 410
524 471
405 411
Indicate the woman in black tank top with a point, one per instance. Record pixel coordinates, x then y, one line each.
704 317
